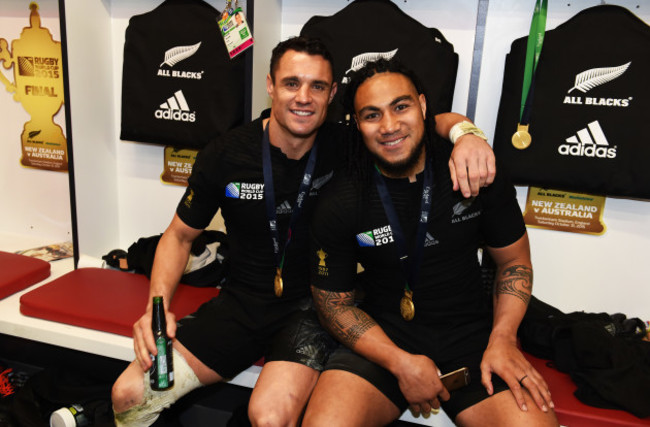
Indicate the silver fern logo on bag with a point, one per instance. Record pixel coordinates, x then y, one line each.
592 78
175 55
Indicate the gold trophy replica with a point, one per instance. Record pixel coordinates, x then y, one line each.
36 61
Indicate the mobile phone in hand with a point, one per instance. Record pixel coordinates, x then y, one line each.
455 379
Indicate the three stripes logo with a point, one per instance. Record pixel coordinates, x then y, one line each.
429 240
588 142
284 208
176 108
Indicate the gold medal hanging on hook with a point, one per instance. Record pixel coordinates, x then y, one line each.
277 283
406 306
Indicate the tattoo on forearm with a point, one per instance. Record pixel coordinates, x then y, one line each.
516 280
345 321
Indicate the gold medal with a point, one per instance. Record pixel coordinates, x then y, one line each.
521 139
278 285
406 306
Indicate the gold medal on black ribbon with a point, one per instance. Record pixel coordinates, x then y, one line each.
406 306
278 284
521 139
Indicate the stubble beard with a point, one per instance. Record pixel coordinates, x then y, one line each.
402 168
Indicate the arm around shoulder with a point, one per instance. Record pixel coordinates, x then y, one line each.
472 163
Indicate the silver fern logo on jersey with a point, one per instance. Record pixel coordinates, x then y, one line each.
317 183
360 61
594 77
175 55
461 211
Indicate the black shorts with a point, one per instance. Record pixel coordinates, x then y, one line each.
472 341
233 331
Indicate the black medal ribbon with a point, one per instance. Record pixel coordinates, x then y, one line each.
410 265
269 195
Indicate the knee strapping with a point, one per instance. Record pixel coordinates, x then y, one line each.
147 412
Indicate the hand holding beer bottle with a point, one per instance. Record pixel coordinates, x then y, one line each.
161 374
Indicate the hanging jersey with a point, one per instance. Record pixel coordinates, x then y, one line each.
366 30
179 86
589 109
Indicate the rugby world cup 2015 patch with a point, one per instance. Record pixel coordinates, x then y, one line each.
245 191
377 237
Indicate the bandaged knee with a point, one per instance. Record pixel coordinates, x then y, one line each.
146 413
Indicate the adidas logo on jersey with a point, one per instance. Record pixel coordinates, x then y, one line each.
583 145
429 240
284 208
589 79
176 108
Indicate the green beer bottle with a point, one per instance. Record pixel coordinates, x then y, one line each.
161 374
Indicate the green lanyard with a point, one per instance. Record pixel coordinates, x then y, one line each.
522 139
533 50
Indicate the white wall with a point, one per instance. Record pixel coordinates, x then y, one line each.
121 197
35 203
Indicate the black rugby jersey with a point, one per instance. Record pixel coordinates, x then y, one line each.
179 85
228 174
350 225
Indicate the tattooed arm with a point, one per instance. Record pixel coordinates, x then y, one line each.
513 287
417 375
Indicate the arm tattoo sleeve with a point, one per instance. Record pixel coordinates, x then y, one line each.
516 280
339 315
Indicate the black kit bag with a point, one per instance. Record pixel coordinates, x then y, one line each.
208 255
179 85
605 355
207 265
589 110
366 30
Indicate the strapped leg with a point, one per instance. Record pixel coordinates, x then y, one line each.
146 413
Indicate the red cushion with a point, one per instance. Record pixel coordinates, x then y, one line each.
107 300
19 272
573 413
